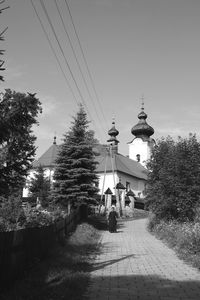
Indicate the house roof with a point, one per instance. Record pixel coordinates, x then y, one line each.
119 163
48 158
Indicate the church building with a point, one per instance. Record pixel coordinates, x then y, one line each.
122 179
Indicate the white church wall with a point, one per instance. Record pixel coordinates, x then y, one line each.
138 146
109 182
25 192
135 184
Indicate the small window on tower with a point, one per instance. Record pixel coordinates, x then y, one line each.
138 157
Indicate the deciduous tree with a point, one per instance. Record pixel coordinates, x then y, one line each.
18 112
173 185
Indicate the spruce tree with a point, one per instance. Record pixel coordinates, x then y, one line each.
40 186
75 178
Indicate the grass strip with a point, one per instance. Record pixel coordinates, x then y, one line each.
65 273
184 238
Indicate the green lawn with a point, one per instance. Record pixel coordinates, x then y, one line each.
65 273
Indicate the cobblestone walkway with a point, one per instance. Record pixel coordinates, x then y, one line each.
133 264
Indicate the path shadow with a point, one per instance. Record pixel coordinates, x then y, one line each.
101 265
98 221
149 287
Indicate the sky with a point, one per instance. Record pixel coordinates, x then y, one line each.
133 48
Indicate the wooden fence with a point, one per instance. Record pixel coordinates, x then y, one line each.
21 249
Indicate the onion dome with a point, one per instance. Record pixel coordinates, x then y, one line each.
113 132
142 128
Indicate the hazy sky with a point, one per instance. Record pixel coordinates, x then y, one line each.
132 47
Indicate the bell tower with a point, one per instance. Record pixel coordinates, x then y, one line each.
113 133
141 146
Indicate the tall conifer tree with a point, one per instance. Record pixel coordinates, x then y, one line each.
40 186
75 178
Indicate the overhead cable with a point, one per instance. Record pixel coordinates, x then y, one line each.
86 64
66 61
51 46
78 64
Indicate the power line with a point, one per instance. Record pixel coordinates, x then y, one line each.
66 61
61 49
84 58
51 46
77 61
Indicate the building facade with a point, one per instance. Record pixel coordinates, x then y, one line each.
122 179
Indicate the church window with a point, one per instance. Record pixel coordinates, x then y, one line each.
127 186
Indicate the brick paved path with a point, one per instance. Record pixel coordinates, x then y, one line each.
133 264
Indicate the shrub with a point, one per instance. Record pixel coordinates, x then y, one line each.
185 237
37 218
173 185
152 222
11 214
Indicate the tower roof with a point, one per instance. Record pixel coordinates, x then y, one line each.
113 132
49 157
142 128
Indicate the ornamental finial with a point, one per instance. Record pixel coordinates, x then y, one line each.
142 100
54 139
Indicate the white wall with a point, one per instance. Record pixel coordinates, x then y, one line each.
109 182
136 185
138 146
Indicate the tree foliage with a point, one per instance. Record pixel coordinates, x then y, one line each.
173 185
11 213
40 186
18 112
74 176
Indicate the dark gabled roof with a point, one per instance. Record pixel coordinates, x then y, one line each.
48 158
121 163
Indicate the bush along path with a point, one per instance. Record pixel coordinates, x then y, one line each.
65 273
183 237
